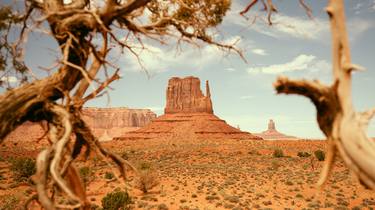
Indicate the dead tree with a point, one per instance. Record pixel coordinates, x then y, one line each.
57 99
344 128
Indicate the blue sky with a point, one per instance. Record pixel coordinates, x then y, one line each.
242 93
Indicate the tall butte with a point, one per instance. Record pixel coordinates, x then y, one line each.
272 134
184 95
188 114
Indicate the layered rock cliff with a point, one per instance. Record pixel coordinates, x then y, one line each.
184 95
105 123
105 118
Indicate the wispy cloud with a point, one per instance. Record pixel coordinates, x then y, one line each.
259 51
283 25
299 63
298 27
301 27
230 69
157 59
10 79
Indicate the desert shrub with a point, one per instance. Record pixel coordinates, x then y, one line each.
144 166
22 168
275 165
278 153
303 154
147 180
9 202
320 155
253 152
125 155
116 200
86 174
109 175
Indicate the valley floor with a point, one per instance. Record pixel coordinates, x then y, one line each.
218 174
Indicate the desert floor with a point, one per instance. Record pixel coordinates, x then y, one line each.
212 174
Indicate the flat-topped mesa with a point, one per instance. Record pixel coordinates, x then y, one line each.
184 95
106 118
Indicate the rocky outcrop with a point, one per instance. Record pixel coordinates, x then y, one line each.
188 115
184 95
105 123
272 134
105 118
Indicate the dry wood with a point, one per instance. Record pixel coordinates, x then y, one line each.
345 129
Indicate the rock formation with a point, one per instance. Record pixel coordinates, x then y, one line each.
188 115
104 122
107 123
106 118
272 134
184 95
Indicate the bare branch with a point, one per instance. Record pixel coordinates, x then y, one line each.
248 7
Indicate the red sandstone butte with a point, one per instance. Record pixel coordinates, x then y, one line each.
184 95
272 134
188 115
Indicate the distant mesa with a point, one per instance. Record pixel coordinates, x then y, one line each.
272 134
188 115
105 123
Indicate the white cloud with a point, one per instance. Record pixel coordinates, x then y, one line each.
10 79
358 26
297 27
259 51
157 59
301 62
230 69
282 25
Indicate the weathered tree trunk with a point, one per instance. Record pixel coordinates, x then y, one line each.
345 129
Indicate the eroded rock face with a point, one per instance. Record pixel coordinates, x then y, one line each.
105 123
271 125
105 118
188 116
184 95
272 134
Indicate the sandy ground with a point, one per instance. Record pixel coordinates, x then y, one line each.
215 174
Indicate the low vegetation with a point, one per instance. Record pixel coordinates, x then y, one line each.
117 200
320 155
278 153
86 174
303 154
23 168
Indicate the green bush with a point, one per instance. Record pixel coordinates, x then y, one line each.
85 174
109 175
278 153
144 166
8 202
303 154
22 168
117 200
320 155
